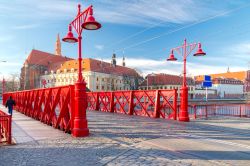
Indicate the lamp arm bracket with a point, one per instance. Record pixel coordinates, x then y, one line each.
80 19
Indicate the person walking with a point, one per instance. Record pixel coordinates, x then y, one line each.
10 103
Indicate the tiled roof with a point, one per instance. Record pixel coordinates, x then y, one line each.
89 64
241 75
227 81
165 79
37 57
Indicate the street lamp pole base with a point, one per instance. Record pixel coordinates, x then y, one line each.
183 115
80 123
80 128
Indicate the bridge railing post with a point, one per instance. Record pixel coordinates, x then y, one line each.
72 104
195 111
206 111
9 127
97 103
157 104
111 101
175 104
131 103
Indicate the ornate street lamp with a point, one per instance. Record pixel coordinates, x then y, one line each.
83 20
183 115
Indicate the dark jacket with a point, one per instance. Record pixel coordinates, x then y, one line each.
10 103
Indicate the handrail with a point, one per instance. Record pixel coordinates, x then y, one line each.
5 127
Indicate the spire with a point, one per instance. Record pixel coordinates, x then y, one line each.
113 62
58 46
228 69
123 60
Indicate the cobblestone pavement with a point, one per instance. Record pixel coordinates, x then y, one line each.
131 140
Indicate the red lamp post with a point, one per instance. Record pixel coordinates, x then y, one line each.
185 50
83 20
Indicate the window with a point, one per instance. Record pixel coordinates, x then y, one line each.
102 87
97 87
102 79
97 79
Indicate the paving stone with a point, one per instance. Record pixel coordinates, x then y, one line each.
117 139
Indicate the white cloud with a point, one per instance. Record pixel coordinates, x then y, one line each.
135 12
99 47
37 10
148 66
144 13
24 27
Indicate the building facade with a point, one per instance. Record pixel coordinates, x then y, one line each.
37 63
99 75
230 84
228 87
167 81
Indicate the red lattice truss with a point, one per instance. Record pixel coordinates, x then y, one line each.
150 103
52 106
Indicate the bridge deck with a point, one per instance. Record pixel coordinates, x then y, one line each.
130 140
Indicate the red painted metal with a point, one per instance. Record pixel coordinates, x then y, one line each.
5 127
57 106
70 37
204 111
184 51
149 103
84 19
199 51
52 106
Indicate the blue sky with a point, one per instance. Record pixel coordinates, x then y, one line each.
143 30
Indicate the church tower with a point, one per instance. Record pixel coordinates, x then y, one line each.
113 61
58 46
123 61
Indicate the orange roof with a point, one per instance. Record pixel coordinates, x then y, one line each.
240 75
165 79
43 58
89 64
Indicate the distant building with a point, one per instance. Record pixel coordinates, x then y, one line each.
228 87
99 75
230 84
167 81
37 63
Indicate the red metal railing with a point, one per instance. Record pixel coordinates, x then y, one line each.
52 106
5 127
238 110
149 103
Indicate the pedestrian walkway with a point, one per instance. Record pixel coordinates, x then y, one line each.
117 139
26 129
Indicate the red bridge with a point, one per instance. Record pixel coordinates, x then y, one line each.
56 106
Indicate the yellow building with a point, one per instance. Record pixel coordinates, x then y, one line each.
99 75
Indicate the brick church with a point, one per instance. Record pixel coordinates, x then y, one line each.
37 63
